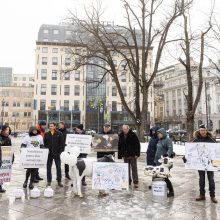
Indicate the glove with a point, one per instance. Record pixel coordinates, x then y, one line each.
165 155
184 159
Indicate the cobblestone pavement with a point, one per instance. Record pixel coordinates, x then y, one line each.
132 204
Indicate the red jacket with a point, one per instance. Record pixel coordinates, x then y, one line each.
42 133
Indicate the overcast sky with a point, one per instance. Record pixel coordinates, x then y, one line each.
20 21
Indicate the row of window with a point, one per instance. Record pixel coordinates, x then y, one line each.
43 90
16 104
65 107
23 79
17 114
57 31
44 61
65 76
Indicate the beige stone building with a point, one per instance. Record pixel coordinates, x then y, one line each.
23 80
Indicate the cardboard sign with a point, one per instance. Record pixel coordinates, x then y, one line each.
203 156
105 142
33 157
79 140
6 167
110 176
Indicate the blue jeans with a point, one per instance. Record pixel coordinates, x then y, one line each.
58 168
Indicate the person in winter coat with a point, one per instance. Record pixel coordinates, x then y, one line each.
152 146
33 139
63 130
164 148
5 140
79 130
129 150
202 135
42 126
106 130
53 140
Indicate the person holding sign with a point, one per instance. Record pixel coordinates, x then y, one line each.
53 140
129 150
32 140
202 135
5 140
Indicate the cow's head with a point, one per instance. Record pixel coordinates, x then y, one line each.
70 158
166 161
107 158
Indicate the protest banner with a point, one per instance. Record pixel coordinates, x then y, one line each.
79 140
33 157
203 156
105 142
110 176
6 167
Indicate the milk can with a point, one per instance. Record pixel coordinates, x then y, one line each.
18 193
48 192
159 190
35 193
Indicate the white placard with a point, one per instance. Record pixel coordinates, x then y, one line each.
33 157
144 147
5 169
110 176
203 156
79 140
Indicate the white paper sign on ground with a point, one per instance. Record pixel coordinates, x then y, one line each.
5 169
203 156
110 176
79 140
33 157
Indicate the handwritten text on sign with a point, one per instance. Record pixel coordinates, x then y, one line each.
5 169
110 176
79 140
33 157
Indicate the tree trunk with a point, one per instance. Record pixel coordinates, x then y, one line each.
140 131
190 126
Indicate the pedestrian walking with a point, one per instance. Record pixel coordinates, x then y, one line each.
129 150
106 130
164 148
53 140
32 140
63 130
5 140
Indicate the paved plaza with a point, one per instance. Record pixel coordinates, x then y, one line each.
120 205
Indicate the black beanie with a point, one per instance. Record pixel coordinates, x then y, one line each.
43 123
80 126
202 126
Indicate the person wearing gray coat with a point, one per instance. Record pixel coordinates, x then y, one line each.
164 148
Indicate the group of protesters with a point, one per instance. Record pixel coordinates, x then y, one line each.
128 149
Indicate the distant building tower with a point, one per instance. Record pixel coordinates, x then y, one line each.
5 76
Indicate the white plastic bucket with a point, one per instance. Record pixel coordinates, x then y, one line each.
18 193
48 192
35 192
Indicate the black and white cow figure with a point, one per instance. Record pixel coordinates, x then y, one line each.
80 167
162 171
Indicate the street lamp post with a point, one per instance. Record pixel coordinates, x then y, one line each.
3 104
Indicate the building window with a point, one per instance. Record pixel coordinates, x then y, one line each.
23 78
25 114
67 90
43 89
46 31
77 90
68 32
76 105
54 74
53 104
77 76
16 104
66 105
44 49
53 89
67 61
114 91
123 77
43 74
44 60
67 76
55 50
45 39
55 31
54 61
15 78
124 90
114 106
42 104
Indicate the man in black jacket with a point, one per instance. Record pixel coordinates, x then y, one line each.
63 130
129 150
106 130
53 140
202 135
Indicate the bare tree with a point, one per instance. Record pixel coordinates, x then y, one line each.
190 39
148 23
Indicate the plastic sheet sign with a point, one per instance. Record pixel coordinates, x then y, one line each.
203 156
5 169
33 157
79 140
110 176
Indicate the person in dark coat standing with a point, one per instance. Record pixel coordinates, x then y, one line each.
5 140
106 130
53 140
202 135
79 130
63 130
129 150
152 146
